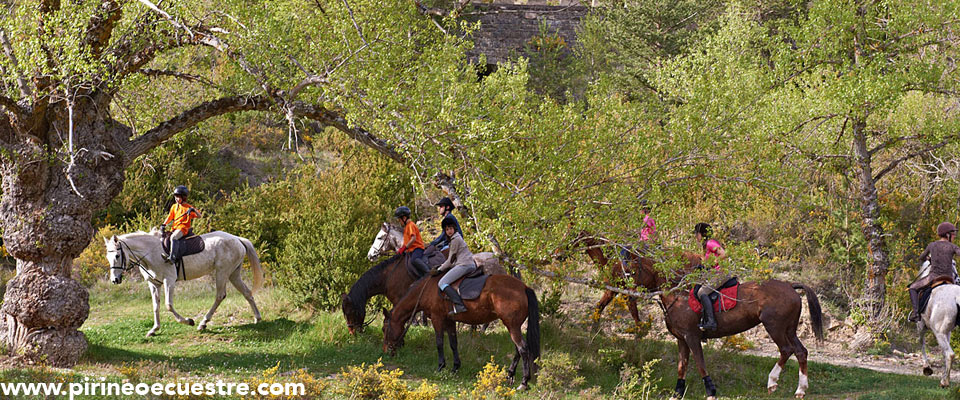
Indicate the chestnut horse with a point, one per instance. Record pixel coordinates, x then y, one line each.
618 276
503 297
773 303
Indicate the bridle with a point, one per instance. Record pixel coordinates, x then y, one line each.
125 264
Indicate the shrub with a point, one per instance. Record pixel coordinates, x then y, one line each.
558 373
489 384
313 387
637 384
371 382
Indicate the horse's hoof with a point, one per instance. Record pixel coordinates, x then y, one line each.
190 321
927 371
523 387
257 320
711 397
440 368
151 333
772 389
201 328
800 395
944 384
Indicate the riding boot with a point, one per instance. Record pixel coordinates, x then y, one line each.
915 300
458 306
171 258
420 265
709 323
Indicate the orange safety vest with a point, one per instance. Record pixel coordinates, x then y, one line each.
180 216
409 231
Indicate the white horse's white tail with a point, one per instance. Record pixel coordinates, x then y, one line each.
254 264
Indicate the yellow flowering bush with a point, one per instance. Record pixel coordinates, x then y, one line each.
490 383
372 382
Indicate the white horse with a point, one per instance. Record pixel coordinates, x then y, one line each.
222 256
941 317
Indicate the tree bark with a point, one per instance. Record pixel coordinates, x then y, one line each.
47 222
876 285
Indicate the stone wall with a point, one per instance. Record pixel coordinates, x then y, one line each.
506 28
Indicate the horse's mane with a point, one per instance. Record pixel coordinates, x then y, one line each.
359 292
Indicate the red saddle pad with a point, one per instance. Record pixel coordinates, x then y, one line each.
728 299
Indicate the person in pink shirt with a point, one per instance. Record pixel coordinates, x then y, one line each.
647 233
713 252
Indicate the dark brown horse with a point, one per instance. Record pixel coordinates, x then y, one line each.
389 278
773 303
503 297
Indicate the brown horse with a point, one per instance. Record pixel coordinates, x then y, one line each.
773 303
503 297
618 275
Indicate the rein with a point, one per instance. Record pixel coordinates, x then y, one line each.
413 314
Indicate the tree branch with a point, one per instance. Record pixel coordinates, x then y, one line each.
891 142
101 26
175 74
327 117
190 118
8 50
893 164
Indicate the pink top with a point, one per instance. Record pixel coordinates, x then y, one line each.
649 228
712 250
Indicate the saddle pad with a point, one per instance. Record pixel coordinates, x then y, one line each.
727 297
470 287
189 245
924 299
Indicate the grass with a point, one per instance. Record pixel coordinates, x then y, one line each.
234 349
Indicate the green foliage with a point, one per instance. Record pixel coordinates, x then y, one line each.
638 383
559 373
313 230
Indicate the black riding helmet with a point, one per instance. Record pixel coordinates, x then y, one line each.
945 229
448 221
704 229
402 211
181 191
445 202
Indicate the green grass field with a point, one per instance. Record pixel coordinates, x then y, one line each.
234 349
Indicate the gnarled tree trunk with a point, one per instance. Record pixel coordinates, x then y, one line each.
47 222
876 288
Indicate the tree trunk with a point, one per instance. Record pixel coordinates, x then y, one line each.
47 222
876 287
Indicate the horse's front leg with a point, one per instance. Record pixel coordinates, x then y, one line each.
155 294
694 344
451 328
438 328
683 360
168 286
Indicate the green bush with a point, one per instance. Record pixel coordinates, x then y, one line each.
92 264
313 229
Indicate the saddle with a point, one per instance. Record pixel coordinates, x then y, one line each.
189 245
431 256
724 299
469 286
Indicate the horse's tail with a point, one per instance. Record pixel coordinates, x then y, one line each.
816 315
533 324
254 264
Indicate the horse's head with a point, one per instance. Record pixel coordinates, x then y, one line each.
354 316
393 332
386 240
115 259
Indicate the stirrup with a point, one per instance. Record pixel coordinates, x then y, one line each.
457 309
